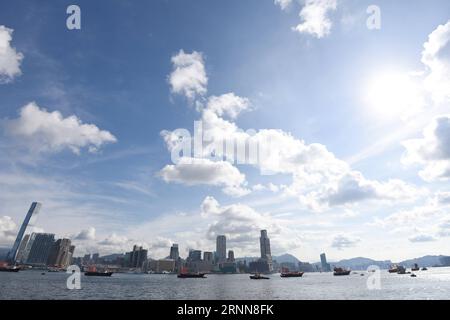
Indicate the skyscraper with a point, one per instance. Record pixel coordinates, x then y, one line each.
266 254
174 253
221 248
137 257
325 265
208 257
264 243
40 250
34 210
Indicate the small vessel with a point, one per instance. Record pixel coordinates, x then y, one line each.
92 272
9 269
286 273
341 272
258 276
393 269
424 269
185 274
413 276
401 270
415 268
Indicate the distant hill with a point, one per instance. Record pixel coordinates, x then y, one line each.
427 261
361 263
286 258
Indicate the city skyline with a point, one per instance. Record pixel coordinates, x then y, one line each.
359 117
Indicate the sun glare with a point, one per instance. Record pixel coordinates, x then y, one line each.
393 95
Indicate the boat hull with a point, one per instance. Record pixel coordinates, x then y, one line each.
98 274
196 275
259 278
342 273
9 269
292 275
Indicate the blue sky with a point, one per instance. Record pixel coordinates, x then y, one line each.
347 183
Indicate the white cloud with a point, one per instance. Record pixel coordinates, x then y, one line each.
436 56
315 19
7 230
284 4
196 171
240 223
50 131
228 104
431 151
87 234
343 241
188 76
10 59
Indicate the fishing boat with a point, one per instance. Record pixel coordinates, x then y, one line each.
258 276
341 272
415 268
401 270
92 272
184 273
286 273
424 269
393 269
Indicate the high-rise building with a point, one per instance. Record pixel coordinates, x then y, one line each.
266 254
95 257
174 253
325 265
221 248
86 259
264 243
230 256
20 257
208 257
40 250
61 253
195 255
32 212
137 257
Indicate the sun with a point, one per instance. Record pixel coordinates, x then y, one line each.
393 95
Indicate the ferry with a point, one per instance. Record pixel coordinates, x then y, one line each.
415 268
285 273
258 276
184 274
341 272
92 272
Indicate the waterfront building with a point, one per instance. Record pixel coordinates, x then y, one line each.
32 212
95 258
86 259
195 255
174 253
61 253
325 265
136 258
160 266
230 256
221 248
40 250
208 257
